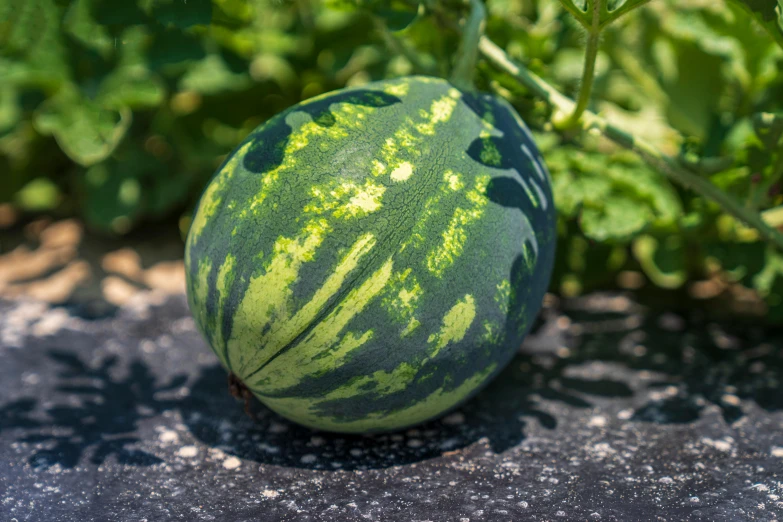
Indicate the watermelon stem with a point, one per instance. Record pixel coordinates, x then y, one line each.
467 54
238 389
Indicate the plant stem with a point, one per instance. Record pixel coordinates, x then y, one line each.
657 159
465 66
588 72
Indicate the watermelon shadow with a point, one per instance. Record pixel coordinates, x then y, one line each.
95 414
497 416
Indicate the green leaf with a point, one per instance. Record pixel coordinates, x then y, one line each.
572 191
125 13
211 76
647 188
769 128
182 13
594 184
743 262
31 38
112 201
767 14
173 47
693 83
755 265
131 87
10 110
780 15
85 131
617 219
80 24
397 15
38 195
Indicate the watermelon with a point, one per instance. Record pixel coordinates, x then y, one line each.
370 258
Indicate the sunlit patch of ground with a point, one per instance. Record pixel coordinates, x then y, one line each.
57 262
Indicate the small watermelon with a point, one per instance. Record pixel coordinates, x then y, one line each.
370 258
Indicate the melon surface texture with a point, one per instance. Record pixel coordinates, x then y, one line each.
370 258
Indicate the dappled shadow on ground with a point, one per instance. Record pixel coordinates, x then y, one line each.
688 364
659 369
98 418
666 372
499 413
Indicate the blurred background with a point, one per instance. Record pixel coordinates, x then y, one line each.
114 115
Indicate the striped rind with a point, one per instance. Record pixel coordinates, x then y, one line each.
368 259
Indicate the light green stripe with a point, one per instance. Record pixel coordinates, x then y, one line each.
305 411
456 323
313 349
268 296
287 330
443 255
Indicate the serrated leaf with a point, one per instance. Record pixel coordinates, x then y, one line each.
182 13
572 191
618 219
86 132
647 188
591 179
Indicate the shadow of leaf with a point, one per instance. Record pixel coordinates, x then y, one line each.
101 418
16 414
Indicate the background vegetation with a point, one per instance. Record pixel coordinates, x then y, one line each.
119 112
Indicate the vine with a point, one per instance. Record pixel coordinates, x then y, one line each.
594 20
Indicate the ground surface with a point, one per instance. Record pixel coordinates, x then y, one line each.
609 412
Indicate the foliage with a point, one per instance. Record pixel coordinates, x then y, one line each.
120 112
